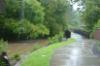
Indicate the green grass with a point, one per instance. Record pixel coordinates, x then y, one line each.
42 56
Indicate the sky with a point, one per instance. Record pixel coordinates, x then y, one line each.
76 5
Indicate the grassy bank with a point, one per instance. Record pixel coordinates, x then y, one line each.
42 56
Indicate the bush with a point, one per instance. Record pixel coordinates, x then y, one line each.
16 29
24 29
3 45
56 38
39 31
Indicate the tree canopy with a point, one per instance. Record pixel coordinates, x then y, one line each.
91 15
33 18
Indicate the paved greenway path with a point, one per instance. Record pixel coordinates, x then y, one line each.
78 53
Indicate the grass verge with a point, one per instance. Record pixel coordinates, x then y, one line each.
42 56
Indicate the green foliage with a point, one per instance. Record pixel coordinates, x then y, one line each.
34 12
12 8
97 25
3 45
2 63
16 29
24 29
55 15
25 19
28 9
91 14
39 31
30 13
56 38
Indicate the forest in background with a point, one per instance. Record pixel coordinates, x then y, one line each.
32 19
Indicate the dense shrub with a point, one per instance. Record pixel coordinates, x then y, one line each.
24 29
39 31
12 29
56 38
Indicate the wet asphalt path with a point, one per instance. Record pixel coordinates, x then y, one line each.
78 53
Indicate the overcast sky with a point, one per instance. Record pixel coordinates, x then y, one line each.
76 5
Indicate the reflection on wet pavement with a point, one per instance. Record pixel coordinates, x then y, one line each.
77 54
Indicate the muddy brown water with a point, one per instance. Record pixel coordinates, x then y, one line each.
23 47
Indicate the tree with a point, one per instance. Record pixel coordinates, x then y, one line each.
91 14
25 9
22 19
34 11
55 15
